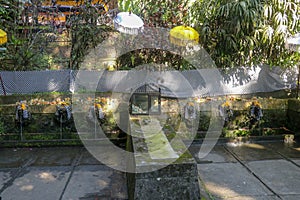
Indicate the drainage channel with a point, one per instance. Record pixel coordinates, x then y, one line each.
252 172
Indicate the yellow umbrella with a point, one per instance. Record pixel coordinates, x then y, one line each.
3 37
183 35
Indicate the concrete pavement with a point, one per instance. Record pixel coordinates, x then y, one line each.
250 171
65 173
230 171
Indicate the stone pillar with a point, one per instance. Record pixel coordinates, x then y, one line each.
165 169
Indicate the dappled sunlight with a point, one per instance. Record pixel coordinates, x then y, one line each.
222 191
46 176
297 149
247 104
102 183
24 184
254 146
26 187
247 145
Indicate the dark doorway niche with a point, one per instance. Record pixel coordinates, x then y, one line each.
146 100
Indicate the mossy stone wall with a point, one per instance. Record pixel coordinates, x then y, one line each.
276 113
12 99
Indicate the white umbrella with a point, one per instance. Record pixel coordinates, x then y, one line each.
127 22
293 43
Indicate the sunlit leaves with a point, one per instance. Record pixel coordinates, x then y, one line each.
124 5
281 20
244 32
228 32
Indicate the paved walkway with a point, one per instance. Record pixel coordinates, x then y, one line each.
57 173
250 171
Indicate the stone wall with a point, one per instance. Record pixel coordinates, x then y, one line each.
274 115
293 115
276 112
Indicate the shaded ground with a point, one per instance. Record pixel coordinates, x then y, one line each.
230 171
57 173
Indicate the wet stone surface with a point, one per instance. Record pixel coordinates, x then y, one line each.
250 152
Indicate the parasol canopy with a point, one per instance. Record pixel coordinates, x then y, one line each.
127 22
3 37
183 35
293 43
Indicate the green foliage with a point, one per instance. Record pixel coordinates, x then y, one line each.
84 37
25 39
28 46
227 29
246 32
280 20
162 13
110 124
126 5
9 12
204 119
234 32
87 30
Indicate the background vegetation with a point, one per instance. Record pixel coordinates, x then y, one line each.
234 32
35 45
